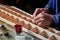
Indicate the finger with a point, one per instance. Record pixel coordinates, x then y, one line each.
41 15
45 10
45 23
37 11
40 20
38 16
40 24
34 14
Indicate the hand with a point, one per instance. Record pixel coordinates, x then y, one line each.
41 18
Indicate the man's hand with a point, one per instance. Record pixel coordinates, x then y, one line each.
42 18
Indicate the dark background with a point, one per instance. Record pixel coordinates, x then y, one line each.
27 5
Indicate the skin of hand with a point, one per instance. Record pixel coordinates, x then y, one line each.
42 19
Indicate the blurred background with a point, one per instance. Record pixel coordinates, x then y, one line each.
26 5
